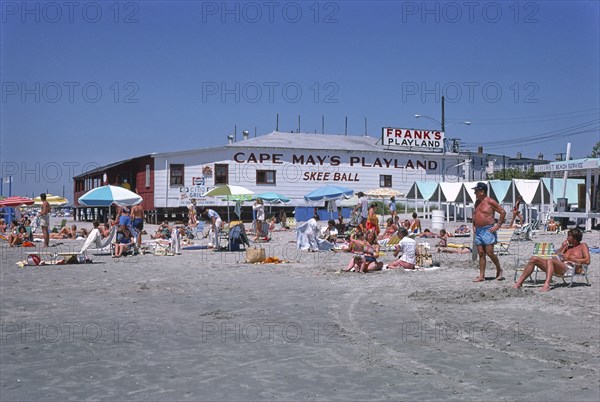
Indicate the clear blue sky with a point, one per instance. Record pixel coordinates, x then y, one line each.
181 75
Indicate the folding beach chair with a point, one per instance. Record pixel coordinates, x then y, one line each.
543 250
523 233
389 243
505 236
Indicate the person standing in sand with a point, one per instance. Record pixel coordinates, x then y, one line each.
137 214
570 257
485 229
45 219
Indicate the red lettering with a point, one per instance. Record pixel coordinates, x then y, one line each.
264 157
398 133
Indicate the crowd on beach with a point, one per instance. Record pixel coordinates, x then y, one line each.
361 235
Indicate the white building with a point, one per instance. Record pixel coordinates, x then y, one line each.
293 164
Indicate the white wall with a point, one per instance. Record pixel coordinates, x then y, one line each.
294 178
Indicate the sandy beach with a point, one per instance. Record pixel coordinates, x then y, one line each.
204 325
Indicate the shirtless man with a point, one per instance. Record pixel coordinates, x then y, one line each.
571 255
137 214
485 229
45 219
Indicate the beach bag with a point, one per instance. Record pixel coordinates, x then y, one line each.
255 254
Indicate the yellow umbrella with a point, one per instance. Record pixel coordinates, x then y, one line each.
53 200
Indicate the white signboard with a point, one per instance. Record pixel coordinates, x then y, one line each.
410 138
566 165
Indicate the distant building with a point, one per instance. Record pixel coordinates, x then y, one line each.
292 164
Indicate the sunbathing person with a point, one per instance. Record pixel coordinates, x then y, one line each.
551 227
2 226
568 260
163 231
390 229
428 233
462 230
65 233
124 241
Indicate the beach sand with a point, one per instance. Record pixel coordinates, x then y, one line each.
204 325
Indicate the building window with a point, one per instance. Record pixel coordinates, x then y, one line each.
147 176
176 178
385 180
265 177
221 174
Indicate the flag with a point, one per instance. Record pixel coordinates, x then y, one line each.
8 179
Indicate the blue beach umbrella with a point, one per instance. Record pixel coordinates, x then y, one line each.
272 197
329 193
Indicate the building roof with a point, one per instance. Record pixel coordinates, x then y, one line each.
101 169
284 140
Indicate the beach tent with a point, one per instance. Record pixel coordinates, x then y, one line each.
450 193
571 193
421 190
532 191
498 190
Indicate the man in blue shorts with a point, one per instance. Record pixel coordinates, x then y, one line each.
485 227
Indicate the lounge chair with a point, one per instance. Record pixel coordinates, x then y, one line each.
505 236
389 243
99 245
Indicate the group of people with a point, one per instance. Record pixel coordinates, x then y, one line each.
570 257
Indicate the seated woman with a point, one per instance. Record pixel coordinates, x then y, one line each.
163 231
124 241
2 226
17 237
370 253
568 260
552 226
390 229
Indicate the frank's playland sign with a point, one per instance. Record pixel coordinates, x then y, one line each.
413 139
